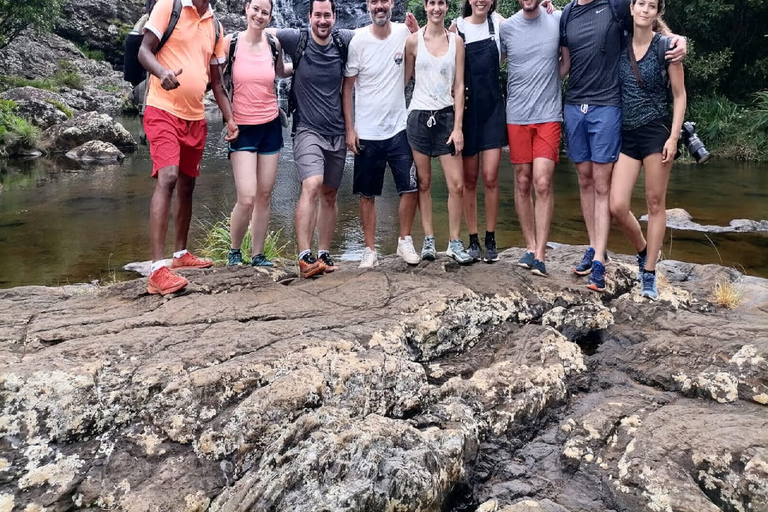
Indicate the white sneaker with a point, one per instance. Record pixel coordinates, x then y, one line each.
406 250
370 259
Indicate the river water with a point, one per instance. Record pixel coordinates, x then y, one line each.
60 224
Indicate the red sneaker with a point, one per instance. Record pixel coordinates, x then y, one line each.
163 281
190 261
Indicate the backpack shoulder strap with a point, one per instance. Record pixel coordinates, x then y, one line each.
661 51
342 48
300 47
272 48
564 22
172 21
621 15
231 53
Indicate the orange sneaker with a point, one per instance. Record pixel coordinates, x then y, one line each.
310 267
190 261
163 281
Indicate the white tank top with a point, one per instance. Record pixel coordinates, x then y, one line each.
434 76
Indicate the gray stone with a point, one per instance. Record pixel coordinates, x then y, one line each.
40 107
677 218
84 128
96 152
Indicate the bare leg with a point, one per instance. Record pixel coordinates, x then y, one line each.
602 218
368 220
656 180
625 174
160 208
491 159
587 197
407 211
543 169
524 204
266 173
182 215
244 170
306 212
452 168
326 221
424 170
471 173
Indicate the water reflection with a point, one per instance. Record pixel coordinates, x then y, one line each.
63 224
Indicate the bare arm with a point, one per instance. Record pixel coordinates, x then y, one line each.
222 100
411 45
677 83
565 62
148 59
349 119
457 135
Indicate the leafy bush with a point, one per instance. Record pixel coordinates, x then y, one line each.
27 133
18 15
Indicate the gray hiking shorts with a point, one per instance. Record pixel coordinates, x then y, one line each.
319 155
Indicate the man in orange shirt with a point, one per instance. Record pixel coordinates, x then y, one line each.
174 121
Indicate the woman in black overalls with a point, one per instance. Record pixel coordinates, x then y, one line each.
484 118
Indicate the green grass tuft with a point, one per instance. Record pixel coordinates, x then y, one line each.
216 242
59 105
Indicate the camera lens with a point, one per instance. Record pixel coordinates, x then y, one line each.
697 150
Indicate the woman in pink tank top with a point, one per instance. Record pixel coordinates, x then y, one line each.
256 60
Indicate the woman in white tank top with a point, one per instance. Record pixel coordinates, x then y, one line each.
435 58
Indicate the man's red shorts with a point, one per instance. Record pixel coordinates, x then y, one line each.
529 141
174 141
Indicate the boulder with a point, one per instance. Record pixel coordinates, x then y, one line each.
40 107
96 152
678 218
91 126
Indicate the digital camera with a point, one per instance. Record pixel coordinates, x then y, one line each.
693 143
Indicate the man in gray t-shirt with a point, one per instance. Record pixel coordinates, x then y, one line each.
530 40
319 146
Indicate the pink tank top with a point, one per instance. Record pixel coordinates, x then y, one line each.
253 74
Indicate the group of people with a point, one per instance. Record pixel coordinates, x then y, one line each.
348 93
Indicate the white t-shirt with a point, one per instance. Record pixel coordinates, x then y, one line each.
479 32
379 65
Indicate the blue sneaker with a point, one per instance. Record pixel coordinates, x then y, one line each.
641 266
234 258
597 278
585 265
456 251
539 269
527 260
261 261
649 286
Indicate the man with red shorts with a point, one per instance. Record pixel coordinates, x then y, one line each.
174 121
530 40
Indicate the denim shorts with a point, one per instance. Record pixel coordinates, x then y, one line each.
264 139
371 162
428 131
593 133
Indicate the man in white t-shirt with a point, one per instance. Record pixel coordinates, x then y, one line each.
376 135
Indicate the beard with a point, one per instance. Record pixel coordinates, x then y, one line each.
535 7
381 21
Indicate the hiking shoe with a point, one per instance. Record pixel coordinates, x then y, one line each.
370 259
234 258
261 261
474 249
406 250
597 278
641 266
539 269
456 251
491 254
325 257
428 250
163 281
527 260
585 265
649 286
310 266
188 260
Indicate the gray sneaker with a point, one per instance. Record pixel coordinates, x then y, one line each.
456 251
428 250
474 250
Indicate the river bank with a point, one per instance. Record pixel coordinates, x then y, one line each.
432 388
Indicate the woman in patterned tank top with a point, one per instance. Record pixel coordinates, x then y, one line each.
649 136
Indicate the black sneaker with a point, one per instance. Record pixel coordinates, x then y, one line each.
474 249
491 254
330 266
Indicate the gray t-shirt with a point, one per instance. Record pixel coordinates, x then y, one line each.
533 81
317 82
595 41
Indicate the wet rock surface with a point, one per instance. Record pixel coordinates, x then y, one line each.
677 218
96 152
429 388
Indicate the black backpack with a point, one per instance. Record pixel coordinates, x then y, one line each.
133 71
624 20
342 48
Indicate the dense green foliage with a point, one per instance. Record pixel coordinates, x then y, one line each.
730 130
15 130
18 15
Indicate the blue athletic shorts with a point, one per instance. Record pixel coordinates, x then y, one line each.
593 133
264 139
371 162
